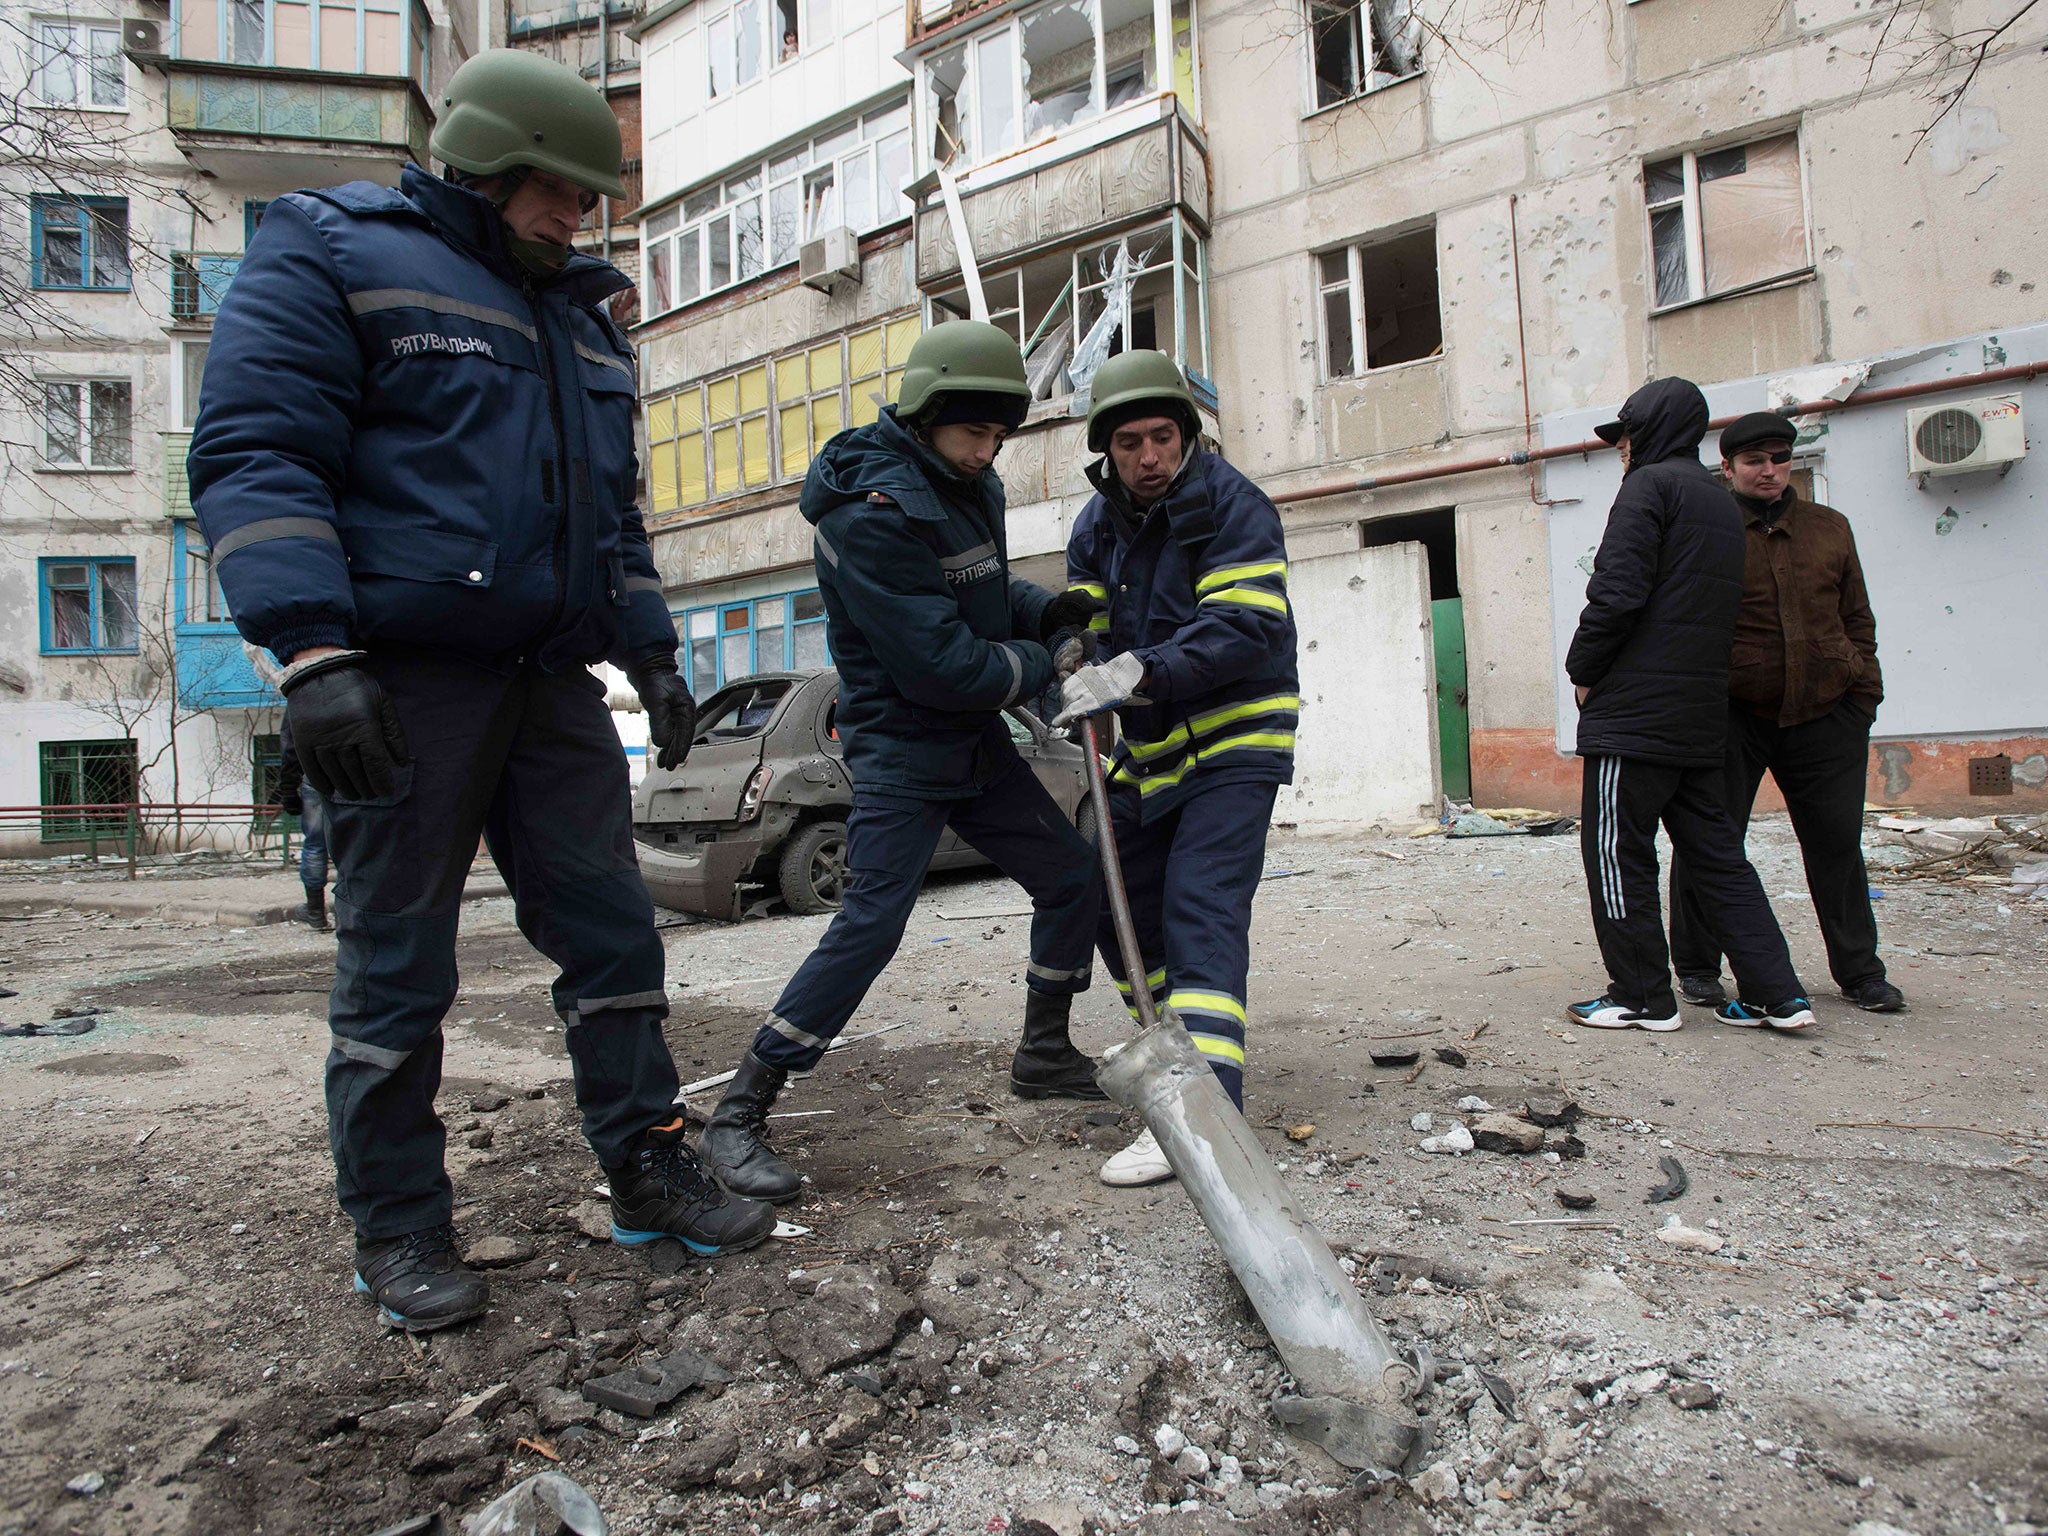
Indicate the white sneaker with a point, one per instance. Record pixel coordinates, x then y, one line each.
1605 1013
1140 1163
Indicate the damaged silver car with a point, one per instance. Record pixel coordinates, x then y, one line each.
758 812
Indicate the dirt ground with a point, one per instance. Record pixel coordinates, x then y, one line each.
975 1335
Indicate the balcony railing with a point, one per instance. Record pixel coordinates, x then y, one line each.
268 103
177 492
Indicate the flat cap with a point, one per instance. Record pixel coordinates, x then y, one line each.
1756 428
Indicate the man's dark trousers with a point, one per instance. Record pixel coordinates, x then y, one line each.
1191 874
1623 802
1821 767
889 844
529 760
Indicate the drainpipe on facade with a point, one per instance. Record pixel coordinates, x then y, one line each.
604 87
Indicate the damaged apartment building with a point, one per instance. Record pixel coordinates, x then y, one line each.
1397 253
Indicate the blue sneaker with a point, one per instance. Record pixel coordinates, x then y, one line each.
1605 1013
1792 1015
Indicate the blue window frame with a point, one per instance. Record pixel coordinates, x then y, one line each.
782 633
88 606
78 242
252 215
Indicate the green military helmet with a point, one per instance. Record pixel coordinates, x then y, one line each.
962 357
1124 384
508 108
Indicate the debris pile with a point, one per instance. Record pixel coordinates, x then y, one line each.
1987 850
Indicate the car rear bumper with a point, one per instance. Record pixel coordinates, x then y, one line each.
700 877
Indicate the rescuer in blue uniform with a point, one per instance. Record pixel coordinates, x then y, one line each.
1197 657
414 464
933 638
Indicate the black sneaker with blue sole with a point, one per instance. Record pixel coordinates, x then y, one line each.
664 1193
419 1281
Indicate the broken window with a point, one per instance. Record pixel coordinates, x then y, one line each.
1070 310
1361 45
1044 70
1059 66
1379 304
1726 219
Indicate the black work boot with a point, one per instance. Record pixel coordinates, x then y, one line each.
663 1191
1046 1065
419 1280
736 1140
314 913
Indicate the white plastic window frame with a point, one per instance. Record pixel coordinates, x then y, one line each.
1354 288
1688 201
81 63
771 176
974 151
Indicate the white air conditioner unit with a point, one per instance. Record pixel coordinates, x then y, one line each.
1968 435
140 36
832 258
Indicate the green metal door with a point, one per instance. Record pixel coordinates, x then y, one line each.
1453 720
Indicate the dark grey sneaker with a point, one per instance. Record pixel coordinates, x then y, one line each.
419 1280
664 1191
1701 991
1876 996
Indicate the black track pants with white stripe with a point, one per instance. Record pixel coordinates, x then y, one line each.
1625 800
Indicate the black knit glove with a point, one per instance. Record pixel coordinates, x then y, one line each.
671 712
1070 610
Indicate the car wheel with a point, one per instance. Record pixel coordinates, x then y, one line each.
1084 822
813 870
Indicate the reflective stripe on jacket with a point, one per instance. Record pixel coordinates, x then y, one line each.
403 440
1198 590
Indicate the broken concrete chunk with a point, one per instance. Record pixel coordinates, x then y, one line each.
454 1446
1551 1107
1456 1139
647 1389
1563 1143
1694 1395
1450 1056
1689 1239
489 1102
498 1252
557 1408
593 1218
1395 1058
1506 1133
1437 1484
1575 1197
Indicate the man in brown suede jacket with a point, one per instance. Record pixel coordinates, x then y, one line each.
1803 689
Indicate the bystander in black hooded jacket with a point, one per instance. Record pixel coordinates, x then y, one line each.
1659 622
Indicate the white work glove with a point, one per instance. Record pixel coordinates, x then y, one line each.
1106 685
1072 649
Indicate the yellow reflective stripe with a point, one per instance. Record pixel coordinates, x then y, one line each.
1271 741
1202 725
1092 588
1153 982
1207 1002
1251 597
1224 578
1100 621
1144 750
1212 1045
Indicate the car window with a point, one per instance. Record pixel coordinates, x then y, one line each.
741 712
828 726
1020 727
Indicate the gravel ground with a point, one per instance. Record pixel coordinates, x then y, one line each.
975 1335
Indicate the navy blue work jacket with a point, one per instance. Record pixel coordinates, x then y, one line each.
403 439
931 634
1197 588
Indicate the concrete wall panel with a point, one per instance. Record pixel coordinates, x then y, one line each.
1377 129
1508 68
1768 332
1383 412
1673 38
1504 577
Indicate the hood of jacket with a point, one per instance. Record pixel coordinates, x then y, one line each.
884 458
1665 419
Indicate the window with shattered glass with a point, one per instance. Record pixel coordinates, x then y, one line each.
1360 45
1379 304
1726 219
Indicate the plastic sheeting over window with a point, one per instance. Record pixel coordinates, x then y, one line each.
1726 219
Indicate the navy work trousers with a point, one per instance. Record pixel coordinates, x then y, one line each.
889 845
1191 875
1820 767
1624 800
530 760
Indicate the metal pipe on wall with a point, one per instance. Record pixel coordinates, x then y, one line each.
2016 372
